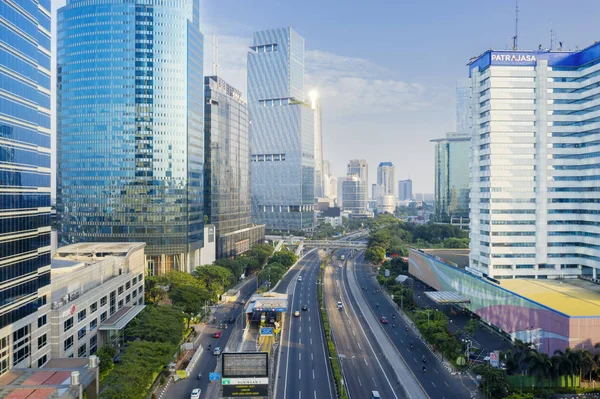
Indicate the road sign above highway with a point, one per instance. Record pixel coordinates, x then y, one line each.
214 376
245 381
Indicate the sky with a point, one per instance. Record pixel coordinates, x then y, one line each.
387 69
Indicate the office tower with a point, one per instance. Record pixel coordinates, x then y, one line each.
282 133
24 182
405 190
386 179
331 187
227 200
354 198
360 168
315 103
452 177
463 106
374 191
130 134
535 159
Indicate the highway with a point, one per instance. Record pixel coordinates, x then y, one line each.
436 381
364 367
207 361
303 366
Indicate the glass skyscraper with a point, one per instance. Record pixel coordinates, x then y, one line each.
24 181
315 102
130 120
452 177
282 133
535 155
227 199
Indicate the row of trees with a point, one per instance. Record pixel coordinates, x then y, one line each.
276 267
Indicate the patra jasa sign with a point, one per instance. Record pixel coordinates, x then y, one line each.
513 58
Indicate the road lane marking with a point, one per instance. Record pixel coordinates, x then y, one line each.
300 356
437 372
365 359
311 356
415 359
446 384
299 374
358 343
353 332
433 384
311 341
313 374
300 329
359 382
299 341
309 329
315 394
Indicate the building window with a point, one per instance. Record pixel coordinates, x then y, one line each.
68 343
127 298
81 333
103 317
42 341
140 288
68 324
93 342
82 351
20 355
134 294
134 281
120 304
81 315
42 321
120 290
93 324
127 285
140 276
93 307
103 301
42 360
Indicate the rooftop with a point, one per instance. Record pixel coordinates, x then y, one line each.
460 257
573 297
90 252
267 301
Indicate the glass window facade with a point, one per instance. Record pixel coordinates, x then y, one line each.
283 191
227 201
24 167
130 134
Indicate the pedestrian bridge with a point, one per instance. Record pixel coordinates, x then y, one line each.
334 244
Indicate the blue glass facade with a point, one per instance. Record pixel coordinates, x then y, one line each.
130 127
24 171
282 132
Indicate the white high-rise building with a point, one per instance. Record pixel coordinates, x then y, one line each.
405 190
315 103
386 179
360 168
535 163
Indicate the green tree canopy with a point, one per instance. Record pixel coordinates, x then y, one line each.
214 278
260 252
190 299
106 353
284 257
375 254
156 324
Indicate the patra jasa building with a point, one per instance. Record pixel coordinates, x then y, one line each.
535 163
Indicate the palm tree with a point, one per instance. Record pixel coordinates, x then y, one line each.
540 366
522 355
570 362
556 366
588 364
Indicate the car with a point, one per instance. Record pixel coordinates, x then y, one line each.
196 393
217 351
299 278
297 313
384 320
339 305
231 320
217 334
305 307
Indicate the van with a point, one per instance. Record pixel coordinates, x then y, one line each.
375 395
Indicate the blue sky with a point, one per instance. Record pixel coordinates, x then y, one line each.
387 69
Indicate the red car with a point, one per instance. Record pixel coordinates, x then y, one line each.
217 334
383 320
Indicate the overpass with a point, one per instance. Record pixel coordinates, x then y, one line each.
334 244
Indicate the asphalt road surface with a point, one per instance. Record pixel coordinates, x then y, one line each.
208 362
365 369
303 365
436 380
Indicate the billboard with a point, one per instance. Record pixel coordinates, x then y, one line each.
245 375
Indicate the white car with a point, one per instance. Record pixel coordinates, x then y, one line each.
217 351
299 278
196 393
339 305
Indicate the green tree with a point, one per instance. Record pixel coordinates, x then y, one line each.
540 365
520 396
155 288
106 354
380 238
454 242
260 252
247 264
214 278
284 257
472 326
494 383
156 324
375 254
190 299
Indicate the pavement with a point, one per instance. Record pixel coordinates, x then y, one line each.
436 381
303 368
364 366
208 362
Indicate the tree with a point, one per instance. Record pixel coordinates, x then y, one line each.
454 242
247 264
375 254
261 252
520 396
106 354
380 238
286 258
155 288
190 299
494 382
472 326
214 278
540 365
156 324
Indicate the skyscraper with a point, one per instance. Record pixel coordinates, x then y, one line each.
405 190
315 102
227 200
386 179
24 182
282 132
130 136
535 155
463 106
354 197
452 177
360 168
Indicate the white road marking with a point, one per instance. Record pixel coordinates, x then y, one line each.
353 332
315 394
311 341
299 341
359 382
415 359
299 374
300 329
433 384
365 359
446 384
313 374
358 343
437 372
309 329
311 357
300 356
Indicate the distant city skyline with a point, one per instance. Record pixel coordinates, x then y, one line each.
402 103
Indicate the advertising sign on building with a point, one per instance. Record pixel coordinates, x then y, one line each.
495 359
245 375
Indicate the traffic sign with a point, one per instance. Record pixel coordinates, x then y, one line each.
214 376
266 331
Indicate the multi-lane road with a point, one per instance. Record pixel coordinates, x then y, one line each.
364 368
303 364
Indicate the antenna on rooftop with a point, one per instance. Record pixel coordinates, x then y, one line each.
215 55
516 36
552 38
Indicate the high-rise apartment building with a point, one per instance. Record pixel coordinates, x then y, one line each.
227 200
535 155
315 103
360 168
130 134
386 179
24 183
282 132
354 197
463 106
452 177
405 190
